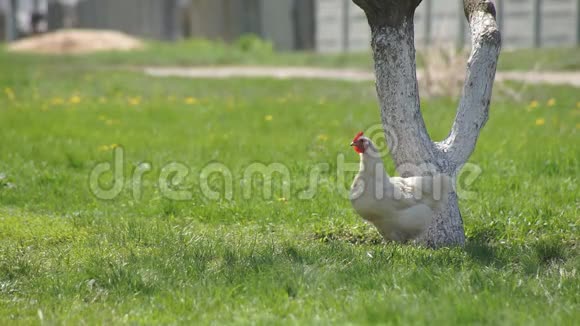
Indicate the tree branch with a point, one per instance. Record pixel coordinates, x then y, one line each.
473 109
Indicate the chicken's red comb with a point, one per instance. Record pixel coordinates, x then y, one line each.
359 135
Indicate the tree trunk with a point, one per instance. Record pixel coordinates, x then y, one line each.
413 152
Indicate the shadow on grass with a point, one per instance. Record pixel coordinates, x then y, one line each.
485 254
359 235
484 248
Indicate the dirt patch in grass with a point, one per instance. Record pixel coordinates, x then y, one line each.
76 41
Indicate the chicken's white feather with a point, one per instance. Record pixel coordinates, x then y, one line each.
400 208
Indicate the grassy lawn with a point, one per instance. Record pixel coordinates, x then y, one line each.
253 51
67 256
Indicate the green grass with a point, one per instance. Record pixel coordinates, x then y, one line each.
250 50
246 51
69 257
541 59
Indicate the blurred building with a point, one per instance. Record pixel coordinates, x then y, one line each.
341 26
289 24
323 25
22 17
154 19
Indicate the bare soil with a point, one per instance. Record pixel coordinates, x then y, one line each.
76 41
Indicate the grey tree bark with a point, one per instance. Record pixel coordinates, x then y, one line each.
392 30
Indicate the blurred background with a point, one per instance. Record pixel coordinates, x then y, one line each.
238 84
331 26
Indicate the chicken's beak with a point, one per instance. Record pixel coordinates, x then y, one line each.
352 144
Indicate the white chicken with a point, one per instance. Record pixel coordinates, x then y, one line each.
400 208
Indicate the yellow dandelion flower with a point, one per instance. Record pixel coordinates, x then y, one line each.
9 93
540 122
533 104
75 99
551 102
268 118
133 101
322 137
103 148
191 100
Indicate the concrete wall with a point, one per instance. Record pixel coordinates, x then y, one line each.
558 20
326 25
517 19
330 26
445 18
4 21
289 24
156 19
358 31
277 23
524 24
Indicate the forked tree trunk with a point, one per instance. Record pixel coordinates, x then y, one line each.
391 23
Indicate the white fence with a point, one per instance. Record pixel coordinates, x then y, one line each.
341 26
